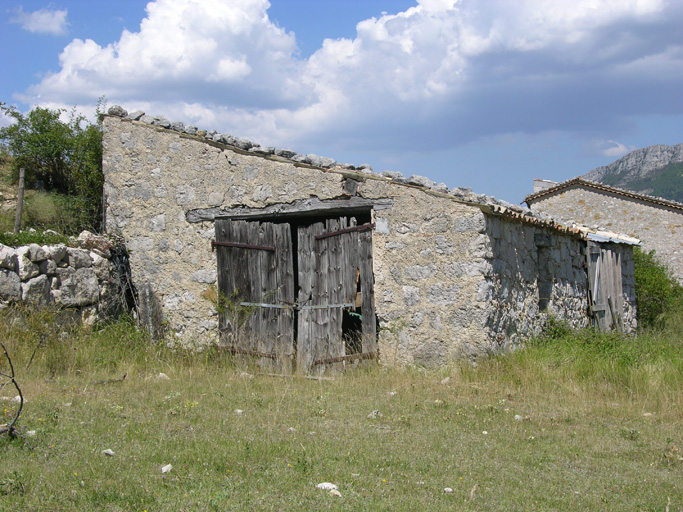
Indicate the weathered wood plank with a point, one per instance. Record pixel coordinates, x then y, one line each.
311 207
335 344
369 342
285 295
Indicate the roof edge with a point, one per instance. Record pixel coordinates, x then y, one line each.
579 181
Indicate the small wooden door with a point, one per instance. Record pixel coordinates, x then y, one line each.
606 291
333 281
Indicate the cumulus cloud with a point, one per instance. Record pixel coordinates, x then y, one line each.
610 148
42 21
440 74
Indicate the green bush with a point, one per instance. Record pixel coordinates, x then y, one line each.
65 157
657 292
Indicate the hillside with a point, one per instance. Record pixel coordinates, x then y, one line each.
655 170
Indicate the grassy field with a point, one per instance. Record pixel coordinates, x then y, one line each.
577 422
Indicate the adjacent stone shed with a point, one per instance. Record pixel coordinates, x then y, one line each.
303 263
657 222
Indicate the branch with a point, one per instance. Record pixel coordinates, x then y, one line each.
10 427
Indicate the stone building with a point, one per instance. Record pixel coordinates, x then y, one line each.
297 260
657 222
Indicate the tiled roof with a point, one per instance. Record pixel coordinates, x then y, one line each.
580 182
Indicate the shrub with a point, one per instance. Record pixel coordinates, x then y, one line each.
657 291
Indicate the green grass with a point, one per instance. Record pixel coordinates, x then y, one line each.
577 422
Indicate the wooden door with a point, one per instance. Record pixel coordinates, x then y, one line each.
256 291
605 284
334 280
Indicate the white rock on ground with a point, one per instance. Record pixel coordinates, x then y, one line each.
326 486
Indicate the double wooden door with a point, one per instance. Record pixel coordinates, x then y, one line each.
296 294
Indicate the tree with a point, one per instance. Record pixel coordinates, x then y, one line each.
65 156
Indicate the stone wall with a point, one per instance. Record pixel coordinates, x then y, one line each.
452 277
533 273
659 227
82 280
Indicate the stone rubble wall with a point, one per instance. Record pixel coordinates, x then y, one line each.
521 259
659 228
435 251
79 279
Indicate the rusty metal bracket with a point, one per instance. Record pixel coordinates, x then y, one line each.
297 307
215 244
362 227
252 353
352 357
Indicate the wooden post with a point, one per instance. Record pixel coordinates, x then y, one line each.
20 202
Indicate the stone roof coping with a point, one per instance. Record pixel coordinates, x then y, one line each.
487 204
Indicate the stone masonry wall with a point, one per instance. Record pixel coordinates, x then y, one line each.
526 265
82 280
435 256
658 227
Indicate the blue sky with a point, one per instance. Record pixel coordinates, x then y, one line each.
487 94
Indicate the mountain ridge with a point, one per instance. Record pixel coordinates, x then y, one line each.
654 170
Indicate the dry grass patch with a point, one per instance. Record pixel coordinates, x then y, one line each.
520 432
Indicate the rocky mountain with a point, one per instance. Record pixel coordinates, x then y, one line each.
655 170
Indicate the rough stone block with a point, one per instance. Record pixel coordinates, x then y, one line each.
472 223
48 267
441 223
480 247
262 193
431 354
10 285
216 198
418 272
382 226
36 253
78 287
26 268
157 223
184 195
444 246
407 227
8 258
442 295
394 246
36 291
78 258
411 295
207 276
101 266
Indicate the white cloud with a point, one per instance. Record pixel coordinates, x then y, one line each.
42 21
612 148
439 74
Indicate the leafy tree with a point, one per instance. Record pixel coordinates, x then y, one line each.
65 156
